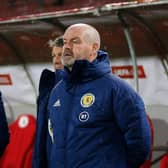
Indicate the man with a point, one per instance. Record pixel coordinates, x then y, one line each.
97 119
4 132
47 82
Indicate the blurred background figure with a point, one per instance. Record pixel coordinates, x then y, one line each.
48 80
57 53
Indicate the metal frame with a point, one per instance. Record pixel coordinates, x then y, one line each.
131 48
19 57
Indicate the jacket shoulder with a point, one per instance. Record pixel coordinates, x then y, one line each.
47 80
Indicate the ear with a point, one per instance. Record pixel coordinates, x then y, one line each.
95 47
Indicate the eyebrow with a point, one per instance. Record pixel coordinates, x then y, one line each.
74 38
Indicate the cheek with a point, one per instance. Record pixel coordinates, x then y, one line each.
86 50
54 59
81 52
79 49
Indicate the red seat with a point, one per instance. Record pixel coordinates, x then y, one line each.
18 153
164 161
147 163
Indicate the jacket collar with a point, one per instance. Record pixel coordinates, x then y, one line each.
84 71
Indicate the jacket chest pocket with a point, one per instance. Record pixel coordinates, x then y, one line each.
91 115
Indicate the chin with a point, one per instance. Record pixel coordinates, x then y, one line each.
58 67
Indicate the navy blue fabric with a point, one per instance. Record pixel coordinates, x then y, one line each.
48 80
111 132
4 132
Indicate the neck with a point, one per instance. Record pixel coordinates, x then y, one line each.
69 67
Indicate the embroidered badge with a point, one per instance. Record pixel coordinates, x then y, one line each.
87 100
83 116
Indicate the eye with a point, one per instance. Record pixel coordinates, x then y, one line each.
52 55
76 41
64 42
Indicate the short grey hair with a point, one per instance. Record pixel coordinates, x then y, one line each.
58 42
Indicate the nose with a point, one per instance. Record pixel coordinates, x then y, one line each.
56 58
67 45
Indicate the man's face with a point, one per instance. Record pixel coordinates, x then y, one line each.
56 57
76 46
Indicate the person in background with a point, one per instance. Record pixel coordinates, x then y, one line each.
4 131
57 53
48 80
97 120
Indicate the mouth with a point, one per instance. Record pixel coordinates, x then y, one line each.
57 63
58 66
67 54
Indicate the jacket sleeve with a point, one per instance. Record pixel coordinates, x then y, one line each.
131 118
4 132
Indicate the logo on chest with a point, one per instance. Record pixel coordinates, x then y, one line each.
57 103
83 116
87 100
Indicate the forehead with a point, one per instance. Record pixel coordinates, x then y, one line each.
56 49
74 32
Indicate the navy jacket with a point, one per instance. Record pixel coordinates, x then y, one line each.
97 120
47 81
4 132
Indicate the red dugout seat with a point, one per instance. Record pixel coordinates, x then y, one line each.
164 161
147 163
18 153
